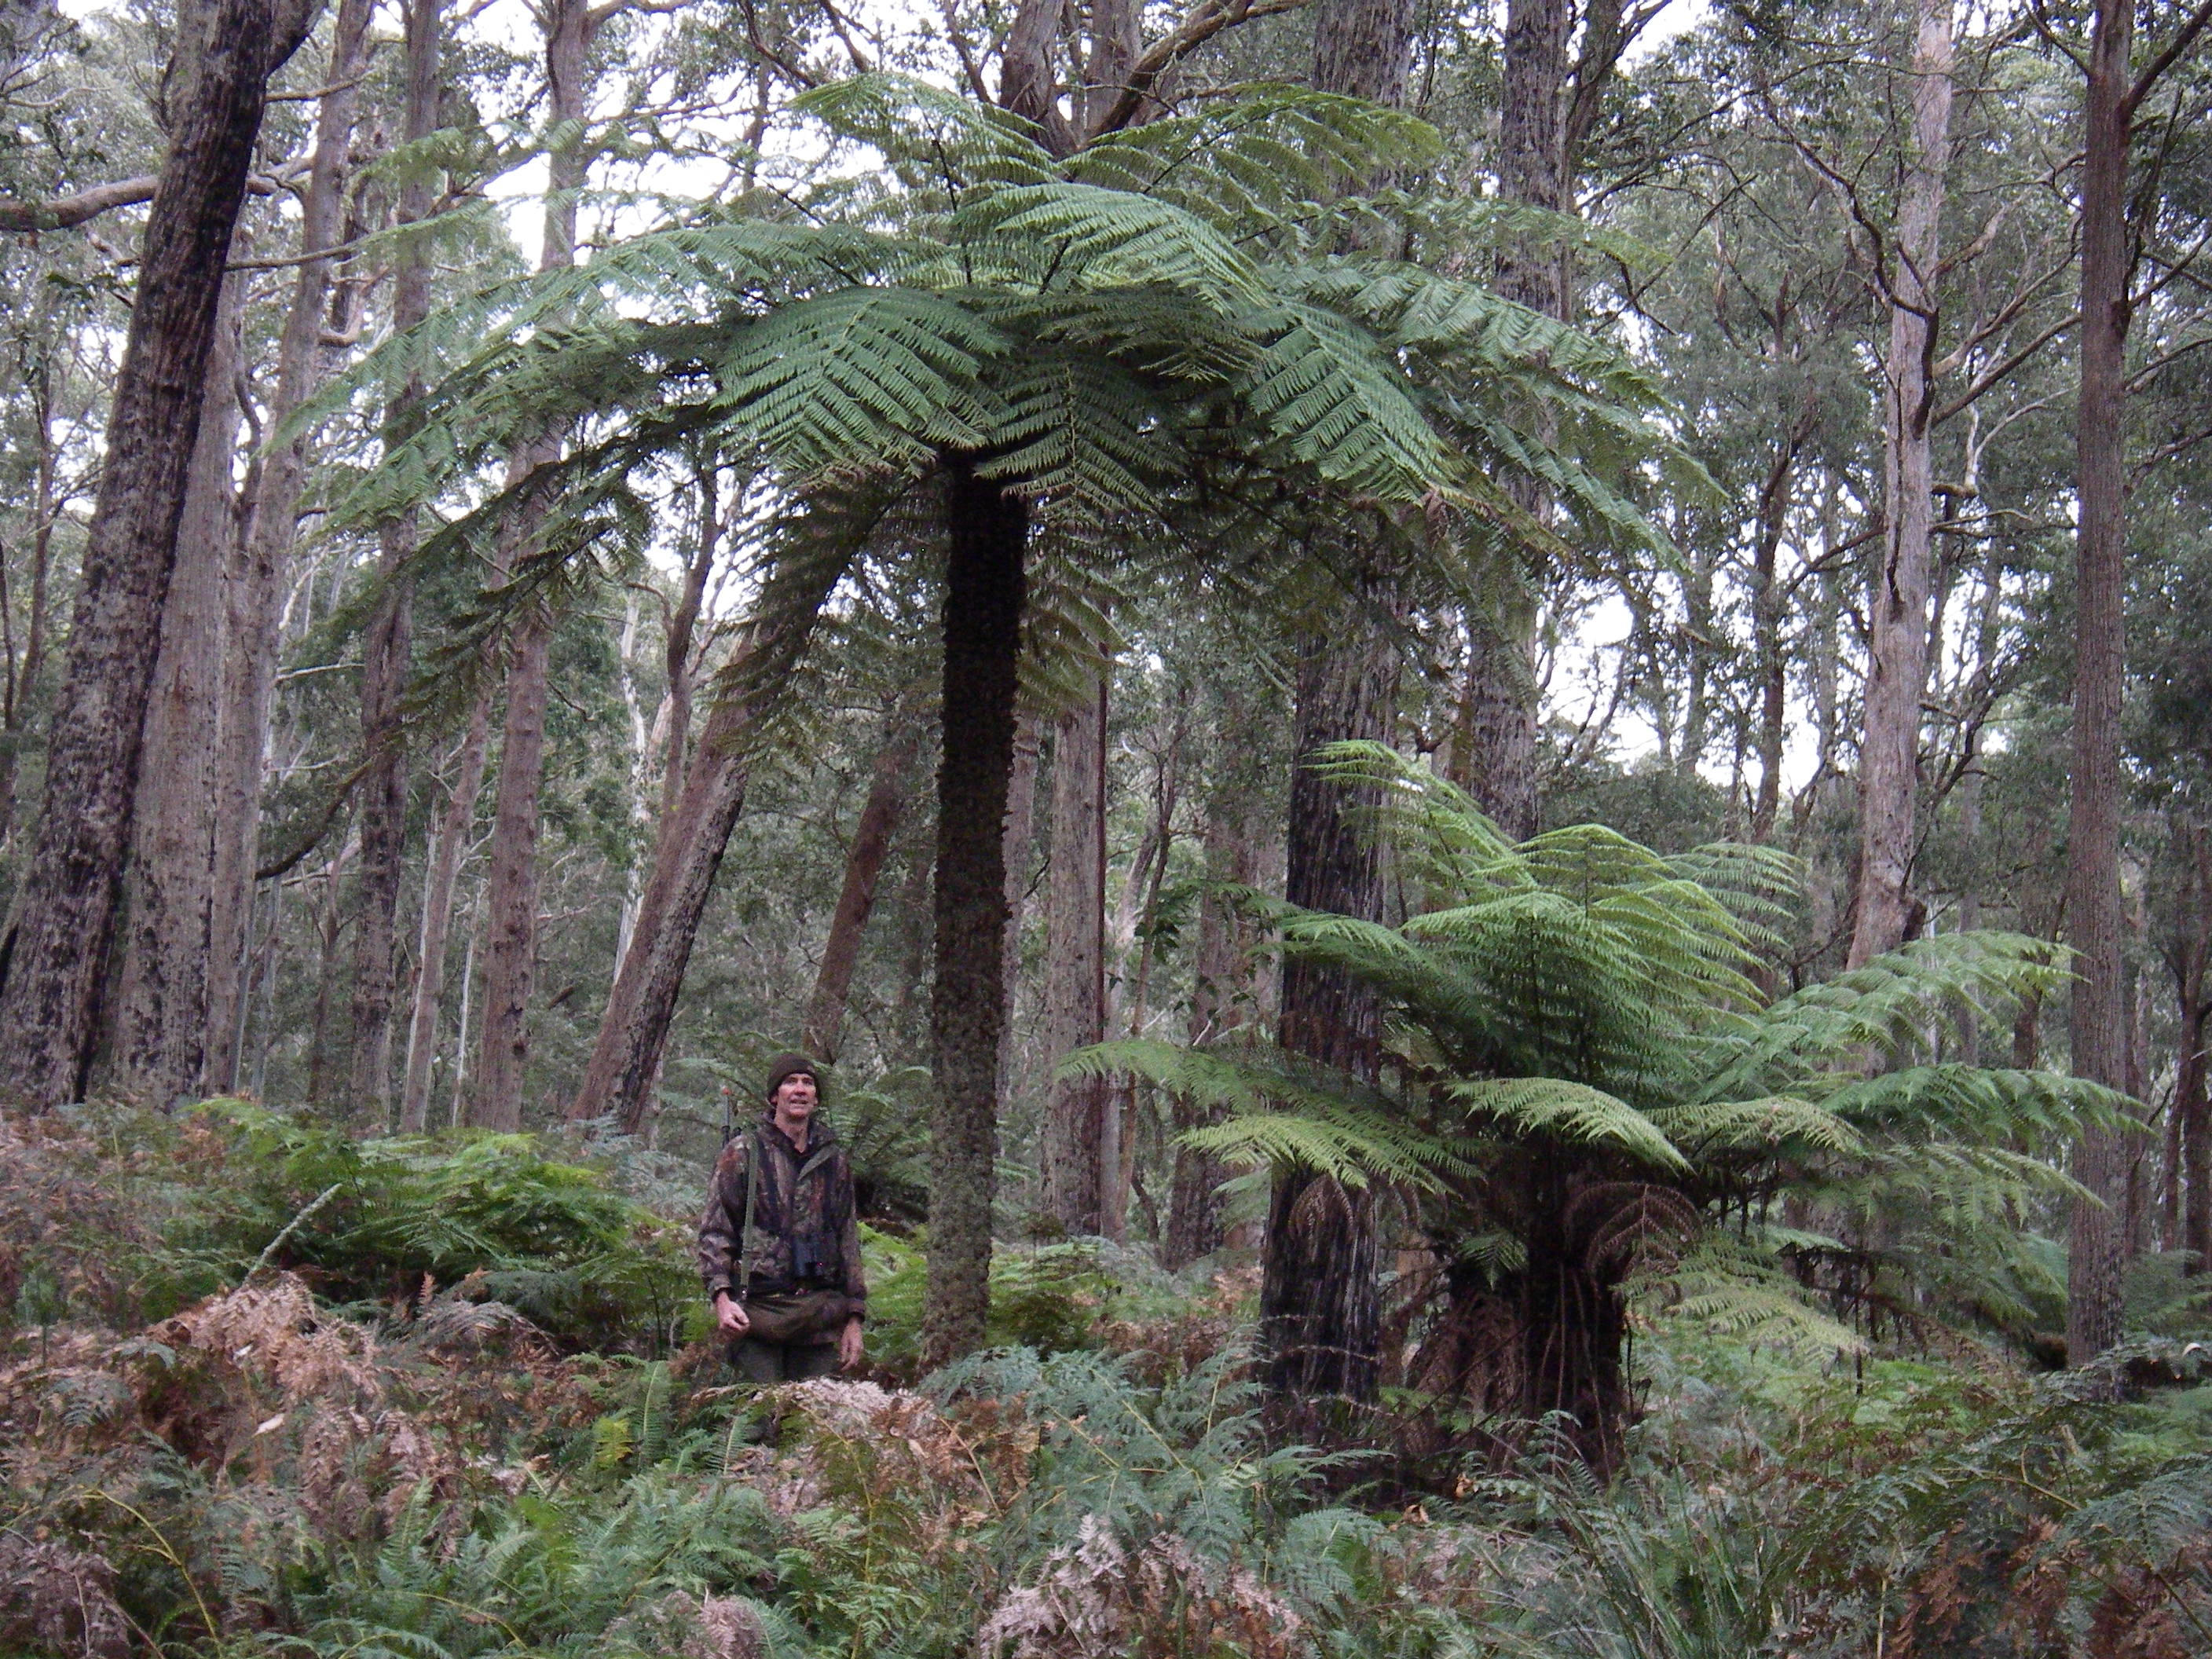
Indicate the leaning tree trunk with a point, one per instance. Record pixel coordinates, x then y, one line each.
254 586
2097 1025
1319 1318
625 1059
1897 602
856 896
1073 1162
160 1031
987 531
387 642
55 953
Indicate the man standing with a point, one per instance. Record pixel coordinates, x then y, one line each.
779 1245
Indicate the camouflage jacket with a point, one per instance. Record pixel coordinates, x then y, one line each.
797 1199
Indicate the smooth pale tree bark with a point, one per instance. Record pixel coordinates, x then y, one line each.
1072 1161
57 950
1897 596
1319 1317
160 1033
888 783
987 535
2096 1024
448 841
387 642
253 591
510 965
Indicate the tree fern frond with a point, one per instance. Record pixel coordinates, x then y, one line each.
1325 395
1570 1111
958 139
1109 239
1763 1125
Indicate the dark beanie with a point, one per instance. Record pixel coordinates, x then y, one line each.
786 1066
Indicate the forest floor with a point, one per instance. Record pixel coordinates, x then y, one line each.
266 1390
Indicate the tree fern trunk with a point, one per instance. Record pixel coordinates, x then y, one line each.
987 531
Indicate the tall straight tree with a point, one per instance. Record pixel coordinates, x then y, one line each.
254 587
386 644
1318 1310
1897 595
1072 1169
2097 1023
511 898
56 952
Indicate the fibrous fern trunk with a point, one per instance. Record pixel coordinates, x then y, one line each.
987 532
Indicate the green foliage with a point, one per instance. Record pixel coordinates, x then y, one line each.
375 1220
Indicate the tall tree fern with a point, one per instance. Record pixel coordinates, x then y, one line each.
1587 1082
1121 341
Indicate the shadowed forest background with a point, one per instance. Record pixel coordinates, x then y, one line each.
1478 739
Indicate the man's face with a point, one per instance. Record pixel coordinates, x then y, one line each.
795 1096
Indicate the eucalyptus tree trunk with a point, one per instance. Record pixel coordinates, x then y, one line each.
254 586
1897 596
856 896
987 531
1501 694
387 642
1072 1157
2192 1101
448 841
2096 1025
1319 1317
510 969
1220 1003
625 1060
56 949
160 1029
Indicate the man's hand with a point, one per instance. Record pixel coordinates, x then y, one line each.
729 1316
848 1345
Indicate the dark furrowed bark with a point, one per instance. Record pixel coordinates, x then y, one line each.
1318 1313
987 530
55 951
1072 1170
2096 1023
2192 1100
856 896
1319 1321
160 1029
